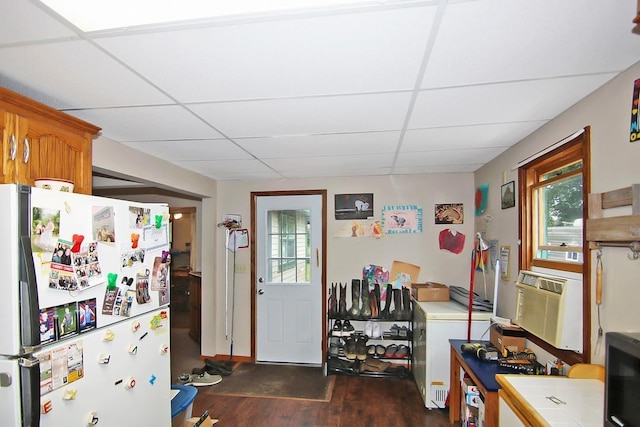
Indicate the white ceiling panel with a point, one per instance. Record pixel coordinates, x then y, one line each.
332 163
220 149
208 167
24 22
312 173
77 73
502 40
448 157
350 53
321 145
533 100
168 122
462 137
455 168
302 116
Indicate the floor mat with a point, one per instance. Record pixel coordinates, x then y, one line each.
276 381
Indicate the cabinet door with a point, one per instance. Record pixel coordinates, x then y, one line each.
48 151
9 141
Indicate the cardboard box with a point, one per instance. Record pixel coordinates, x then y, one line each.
207 422
469 386
507 337
430 291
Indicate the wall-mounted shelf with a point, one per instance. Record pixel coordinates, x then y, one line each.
618 230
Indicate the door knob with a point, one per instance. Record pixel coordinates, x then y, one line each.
260 291
261 280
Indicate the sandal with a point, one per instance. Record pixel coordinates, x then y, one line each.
391 351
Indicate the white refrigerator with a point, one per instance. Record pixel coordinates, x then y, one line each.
84 309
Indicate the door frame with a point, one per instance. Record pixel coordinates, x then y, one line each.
323 266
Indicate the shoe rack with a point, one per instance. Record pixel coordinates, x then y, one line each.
374 336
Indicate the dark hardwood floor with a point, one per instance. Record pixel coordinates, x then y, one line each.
356 401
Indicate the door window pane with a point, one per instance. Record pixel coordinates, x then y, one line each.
289 252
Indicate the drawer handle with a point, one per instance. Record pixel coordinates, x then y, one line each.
27 151
13 148
556 400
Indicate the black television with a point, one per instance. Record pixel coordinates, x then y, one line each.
622 379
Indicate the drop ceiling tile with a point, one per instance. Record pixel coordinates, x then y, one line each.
326 54
409 170
323 164
321 145
78 74
535 100
208 167
501 40
25 22
473 136
185 150
168 122
244 176
448 157
337 173
303 116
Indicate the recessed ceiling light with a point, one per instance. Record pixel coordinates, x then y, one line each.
96 15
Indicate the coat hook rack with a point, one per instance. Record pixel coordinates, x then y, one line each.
634 247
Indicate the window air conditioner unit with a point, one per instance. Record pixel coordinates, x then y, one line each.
550 306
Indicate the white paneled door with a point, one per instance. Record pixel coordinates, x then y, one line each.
289 281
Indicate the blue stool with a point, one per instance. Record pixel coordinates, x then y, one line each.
182 404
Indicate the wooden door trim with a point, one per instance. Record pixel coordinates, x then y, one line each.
323 268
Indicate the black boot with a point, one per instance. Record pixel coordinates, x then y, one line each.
397 304
385 313
333 301
354 311
342 304
406 304
365 312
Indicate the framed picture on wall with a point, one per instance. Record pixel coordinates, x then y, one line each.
508 195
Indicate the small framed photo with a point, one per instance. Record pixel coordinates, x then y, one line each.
508 195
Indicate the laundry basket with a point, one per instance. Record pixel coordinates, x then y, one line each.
181 403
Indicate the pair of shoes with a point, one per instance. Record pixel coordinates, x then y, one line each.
199 380
396 351
372 329
355 347
217 367
374 365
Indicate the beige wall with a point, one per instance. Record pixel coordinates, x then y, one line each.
614 164
347 256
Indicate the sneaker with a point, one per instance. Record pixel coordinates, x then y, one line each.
380 350
336 331
394 331
402 351
403 332
361 347
368 329
347 329
391 351
185 379
376 331
205 379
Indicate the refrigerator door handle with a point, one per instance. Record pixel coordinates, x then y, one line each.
30 379
29 305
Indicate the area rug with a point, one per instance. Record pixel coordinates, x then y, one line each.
276 381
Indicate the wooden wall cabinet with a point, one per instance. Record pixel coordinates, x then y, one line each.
39 141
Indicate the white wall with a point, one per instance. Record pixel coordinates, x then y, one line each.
614 164
347 256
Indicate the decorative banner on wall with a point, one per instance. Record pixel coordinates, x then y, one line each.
364 228
402 219
635 115
482 195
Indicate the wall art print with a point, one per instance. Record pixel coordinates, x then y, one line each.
449 213
402 219
354 206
